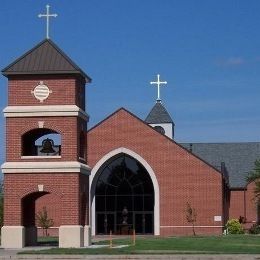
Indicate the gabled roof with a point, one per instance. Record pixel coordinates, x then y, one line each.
45 58
239 158
182 146
158 115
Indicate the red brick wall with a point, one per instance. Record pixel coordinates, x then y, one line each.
244 204
84 199
251 204
52 202
181 176
237 205
64 189
65 90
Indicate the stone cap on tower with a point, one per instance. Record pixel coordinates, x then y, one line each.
45 58
158 115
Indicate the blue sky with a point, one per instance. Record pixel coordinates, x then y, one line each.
208 51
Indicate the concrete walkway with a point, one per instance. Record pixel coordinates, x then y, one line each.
10 254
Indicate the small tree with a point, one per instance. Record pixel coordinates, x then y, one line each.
44 221
191 216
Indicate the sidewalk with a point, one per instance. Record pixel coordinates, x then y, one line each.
11 254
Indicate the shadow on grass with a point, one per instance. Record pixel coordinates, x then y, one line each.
48 241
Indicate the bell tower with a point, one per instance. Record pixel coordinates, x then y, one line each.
46 124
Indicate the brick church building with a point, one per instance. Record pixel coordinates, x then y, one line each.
123 174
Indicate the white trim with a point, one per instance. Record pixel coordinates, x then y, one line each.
168 128
40 187
93 181
37 111
41 157
191 226
45 167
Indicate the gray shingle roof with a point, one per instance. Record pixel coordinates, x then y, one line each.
45 58
158 115
239 158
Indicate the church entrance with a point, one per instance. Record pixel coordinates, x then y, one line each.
124 198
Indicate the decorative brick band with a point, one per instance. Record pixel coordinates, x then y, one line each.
45 167
40 111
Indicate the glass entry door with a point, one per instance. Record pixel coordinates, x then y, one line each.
105 223
144 223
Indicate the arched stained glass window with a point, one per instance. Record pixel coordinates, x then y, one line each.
124 197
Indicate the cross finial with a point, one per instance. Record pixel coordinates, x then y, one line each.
47 15
158 83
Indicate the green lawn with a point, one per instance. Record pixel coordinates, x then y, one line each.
231 244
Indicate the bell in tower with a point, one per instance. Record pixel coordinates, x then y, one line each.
47 146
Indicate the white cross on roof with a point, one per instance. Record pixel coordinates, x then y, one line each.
47 15
158 83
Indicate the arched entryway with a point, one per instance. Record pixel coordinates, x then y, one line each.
32 205
124 195
28 217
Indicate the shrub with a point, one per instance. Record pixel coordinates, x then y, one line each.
234 227
255 229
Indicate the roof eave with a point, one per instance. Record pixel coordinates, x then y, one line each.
6 73
12 73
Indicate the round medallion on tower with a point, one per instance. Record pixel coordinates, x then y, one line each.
41 92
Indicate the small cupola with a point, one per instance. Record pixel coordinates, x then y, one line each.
158 117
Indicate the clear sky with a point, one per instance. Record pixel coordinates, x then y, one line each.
208 51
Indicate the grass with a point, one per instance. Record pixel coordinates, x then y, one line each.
48 241
231 244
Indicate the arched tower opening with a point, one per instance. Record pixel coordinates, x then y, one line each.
30 208
41 142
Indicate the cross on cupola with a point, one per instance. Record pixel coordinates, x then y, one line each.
158 83
47 15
